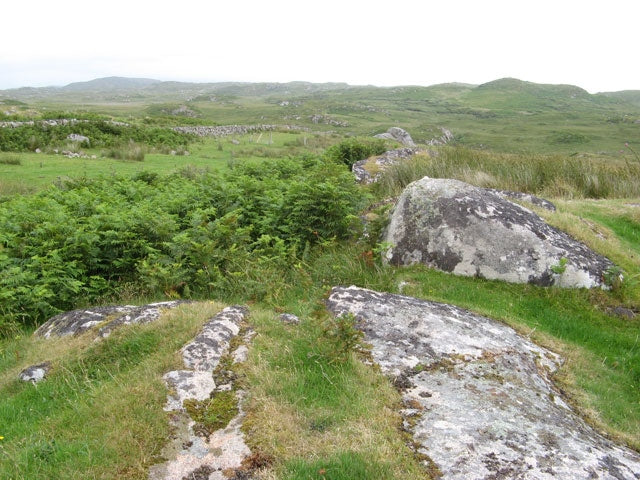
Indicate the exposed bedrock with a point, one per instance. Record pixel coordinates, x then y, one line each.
478 397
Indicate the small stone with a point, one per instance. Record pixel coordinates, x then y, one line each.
289 318
624 312
35 373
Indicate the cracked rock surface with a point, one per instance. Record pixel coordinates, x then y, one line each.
478 397
192 453
369 170
77 322
471 231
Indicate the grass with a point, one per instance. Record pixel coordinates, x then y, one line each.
37 171
99 413
311 413
550 176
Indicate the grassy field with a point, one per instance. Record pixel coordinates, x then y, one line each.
29 172
315 410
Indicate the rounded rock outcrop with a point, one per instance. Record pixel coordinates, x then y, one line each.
471 231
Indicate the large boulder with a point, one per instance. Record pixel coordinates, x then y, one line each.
466 230
399 135
478 397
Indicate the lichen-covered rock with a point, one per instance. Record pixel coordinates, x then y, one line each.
369 170
76 137
195 453
77 322
289 318
399 135
466 230
443 139
525 197
478 398
35 373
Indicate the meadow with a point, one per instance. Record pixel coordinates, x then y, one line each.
272 220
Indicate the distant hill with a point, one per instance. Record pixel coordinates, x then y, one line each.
629 96
110 83
514 94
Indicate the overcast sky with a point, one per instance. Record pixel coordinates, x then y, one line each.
590 44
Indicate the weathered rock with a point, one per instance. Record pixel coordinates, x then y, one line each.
194 454
478 397
371 169
458 228
203 354
289 318
399 135
525 197
77 322
35 373
76 137
445 138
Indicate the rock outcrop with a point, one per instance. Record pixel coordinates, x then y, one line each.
459 228
399 135
76 137
77 322
525 197
478 398
196 452
371 169
443 139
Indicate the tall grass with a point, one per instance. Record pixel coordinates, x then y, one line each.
130 151
553 176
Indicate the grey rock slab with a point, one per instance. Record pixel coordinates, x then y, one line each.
77 322
525 197
187 385
369 170
471 231
289 318
479 400
399 135
35 373
192 455
204 352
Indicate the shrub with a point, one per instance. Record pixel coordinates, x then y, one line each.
351 150
131 151
190 233
10 160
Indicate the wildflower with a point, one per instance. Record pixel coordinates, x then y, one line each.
1 437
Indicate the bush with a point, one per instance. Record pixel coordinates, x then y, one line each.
101 133
10 160
351 150
175 235
131 151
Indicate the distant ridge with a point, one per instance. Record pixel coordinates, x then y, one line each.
110 83
509 84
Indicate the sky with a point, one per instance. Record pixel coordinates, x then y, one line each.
586 43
